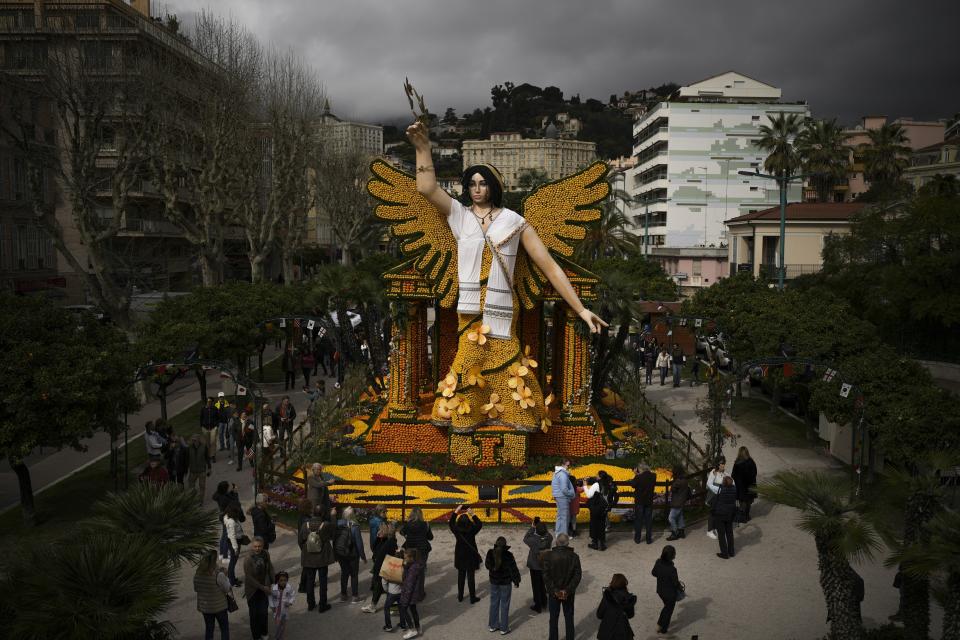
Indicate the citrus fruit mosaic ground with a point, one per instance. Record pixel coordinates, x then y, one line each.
442 492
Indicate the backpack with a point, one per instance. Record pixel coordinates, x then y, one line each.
271 536
314 543
614 496
343 543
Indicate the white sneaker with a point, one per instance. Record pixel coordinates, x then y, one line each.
411 633
711 534
229 461
369 608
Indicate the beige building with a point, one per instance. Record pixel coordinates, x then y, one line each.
920 135
512 154
341 136
754 238
942 158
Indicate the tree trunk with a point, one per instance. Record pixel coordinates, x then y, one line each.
951 608
202 379
208 269
918 511
837 582
345 258
260 359
163 402
26 491
286 261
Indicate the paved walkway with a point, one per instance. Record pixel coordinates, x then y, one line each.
769 591
49 466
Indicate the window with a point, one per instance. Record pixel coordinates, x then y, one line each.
755 118
753 188
20 247
697 266
19 179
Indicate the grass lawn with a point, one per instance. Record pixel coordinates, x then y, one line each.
64 504
773 429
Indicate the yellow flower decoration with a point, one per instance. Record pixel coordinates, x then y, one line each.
517 371
463 407
474 377
548 400
545 424
526 360
524 396
448 386
493 408
443 410
479 335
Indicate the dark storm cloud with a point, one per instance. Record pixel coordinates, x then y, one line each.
845 58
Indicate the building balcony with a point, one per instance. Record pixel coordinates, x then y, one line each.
768 271
659 137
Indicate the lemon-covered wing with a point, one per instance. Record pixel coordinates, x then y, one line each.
422 230
559 212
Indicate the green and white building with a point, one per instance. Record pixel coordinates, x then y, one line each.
689 149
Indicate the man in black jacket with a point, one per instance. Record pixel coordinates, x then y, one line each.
643 483
561 576
263 525
209 419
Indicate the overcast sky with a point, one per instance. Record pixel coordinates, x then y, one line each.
846 58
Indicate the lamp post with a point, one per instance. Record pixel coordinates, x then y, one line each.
783 182
706 204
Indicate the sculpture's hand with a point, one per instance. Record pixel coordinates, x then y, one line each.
418 135
593 321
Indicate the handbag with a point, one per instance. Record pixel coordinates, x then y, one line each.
244 539
681 592
392 569
231 603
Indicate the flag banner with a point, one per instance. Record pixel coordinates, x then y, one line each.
845 390
241 390
683 322
670 333
296 324
283 323
321 332
311 325
698 323
828 375
787 370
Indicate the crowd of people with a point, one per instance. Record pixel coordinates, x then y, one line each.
328 534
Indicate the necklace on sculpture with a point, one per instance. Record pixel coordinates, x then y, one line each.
485 218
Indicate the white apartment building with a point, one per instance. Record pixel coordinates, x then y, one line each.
689 150
512 154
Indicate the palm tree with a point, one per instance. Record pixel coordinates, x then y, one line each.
167 518
940 555
942 185
832 516
778 140
885 155
88 586
608 237
820 145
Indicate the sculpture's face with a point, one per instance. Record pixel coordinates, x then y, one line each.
479 190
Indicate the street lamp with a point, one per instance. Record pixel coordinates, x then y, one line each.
706 204
783 182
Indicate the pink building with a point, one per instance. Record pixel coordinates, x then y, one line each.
919 135
692 267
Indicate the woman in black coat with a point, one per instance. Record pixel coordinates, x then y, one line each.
615 610
466 557
722 513
668 586
417 535
745 478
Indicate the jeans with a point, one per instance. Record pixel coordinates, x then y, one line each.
224 437
316 576
222 619
642 518
555 606
289 380
539 590
676 374
648 376
500 606
224 543
563 516
663 376
409 616
349 569
392 599
258 606
725 536
666 613
676 519
232 567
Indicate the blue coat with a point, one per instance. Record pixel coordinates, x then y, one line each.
560 486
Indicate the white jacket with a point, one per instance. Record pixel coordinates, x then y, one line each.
234 532
663 361
715 479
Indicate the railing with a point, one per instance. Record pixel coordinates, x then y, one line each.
770 271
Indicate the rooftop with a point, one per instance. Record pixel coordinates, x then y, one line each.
802 211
